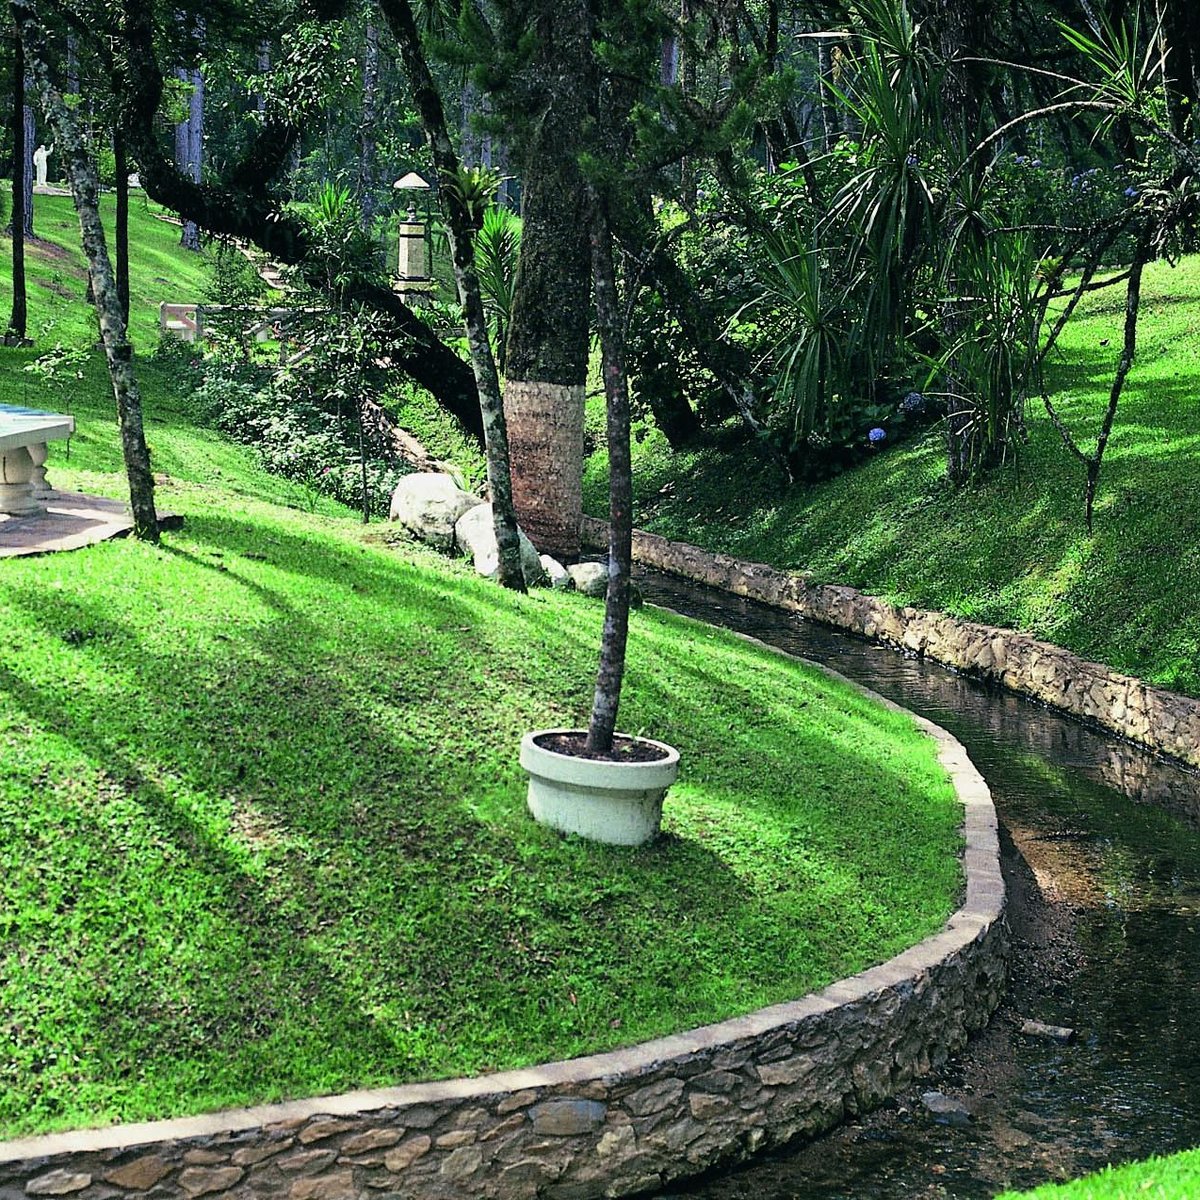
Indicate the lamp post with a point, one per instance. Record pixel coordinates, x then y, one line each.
412 267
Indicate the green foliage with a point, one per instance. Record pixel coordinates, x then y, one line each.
497 246
1009 549
342 253
475 188
313 421
234 280
289 852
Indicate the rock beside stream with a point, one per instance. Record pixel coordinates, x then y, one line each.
945 1109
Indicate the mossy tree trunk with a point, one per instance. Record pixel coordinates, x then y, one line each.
85 189
547 352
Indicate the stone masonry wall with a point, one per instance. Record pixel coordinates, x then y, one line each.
607 1125
1122 704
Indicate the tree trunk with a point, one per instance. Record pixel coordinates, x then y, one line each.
244 204
469 138
367 131
687 76
830 124
85 189
189 141
462 249
29 131
19 318
546 360
121 233
613 640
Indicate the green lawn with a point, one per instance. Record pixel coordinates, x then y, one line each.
1013 550
262 828
56 272
1176 1177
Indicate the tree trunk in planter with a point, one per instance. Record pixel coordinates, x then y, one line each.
85 189
620 488
546 360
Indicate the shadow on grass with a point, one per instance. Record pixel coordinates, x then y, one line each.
290 887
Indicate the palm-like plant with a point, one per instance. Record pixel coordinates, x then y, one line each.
809 353
497 245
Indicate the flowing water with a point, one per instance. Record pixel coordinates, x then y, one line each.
1101 849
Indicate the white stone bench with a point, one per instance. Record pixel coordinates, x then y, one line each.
24 433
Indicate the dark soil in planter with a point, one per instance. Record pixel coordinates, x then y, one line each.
625 749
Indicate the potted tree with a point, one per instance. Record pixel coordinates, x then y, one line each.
595 782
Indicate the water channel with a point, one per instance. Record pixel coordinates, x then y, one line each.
1101 849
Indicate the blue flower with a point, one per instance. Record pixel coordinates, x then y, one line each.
1037 162
914 402
876 435
1130 192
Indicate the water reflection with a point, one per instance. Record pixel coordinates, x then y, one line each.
1102 853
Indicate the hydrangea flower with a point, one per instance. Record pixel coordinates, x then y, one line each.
914 402
876 435
1130 192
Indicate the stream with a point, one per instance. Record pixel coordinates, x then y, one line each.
1100 842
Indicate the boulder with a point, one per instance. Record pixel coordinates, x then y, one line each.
591 578
428 505
559 576
476 534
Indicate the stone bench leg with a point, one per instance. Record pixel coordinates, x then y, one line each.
41 486
16 488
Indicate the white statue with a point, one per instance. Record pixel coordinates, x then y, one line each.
40 155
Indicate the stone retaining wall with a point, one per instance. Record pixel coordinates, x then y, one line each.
1122 704
607 1125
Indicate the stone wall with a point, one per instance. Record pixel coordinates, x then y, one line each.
1122 704
607 1125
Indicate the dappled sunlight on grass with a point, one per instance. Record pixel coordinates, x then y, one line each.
263 830
1012 549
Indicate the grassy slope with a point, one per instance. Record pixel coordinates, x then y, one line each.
1012 551
56 274
262 831
1176 1177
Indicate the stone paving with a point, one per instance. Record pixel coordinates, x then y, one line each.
70 520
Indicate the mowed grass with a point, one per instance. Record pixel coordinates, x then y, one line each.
1176 1177
263 832
56 273
1012 550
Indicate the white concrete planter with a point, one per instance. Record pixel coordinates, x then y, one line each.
615 802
